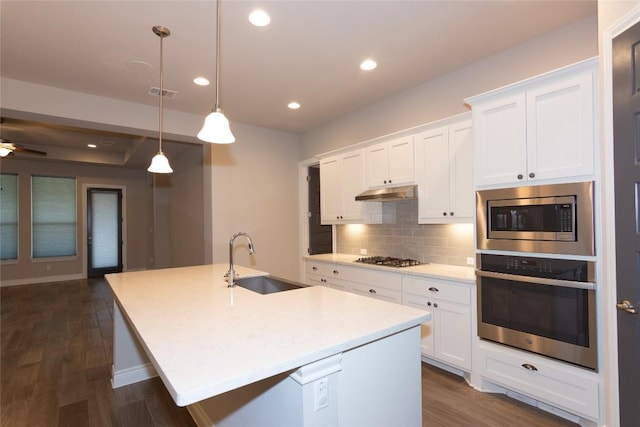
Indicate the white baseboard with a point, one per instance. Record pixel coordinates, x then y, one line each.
132 375
45 279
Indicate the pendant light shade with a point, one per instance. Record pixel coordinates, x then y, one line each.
160 163
216 126
216 129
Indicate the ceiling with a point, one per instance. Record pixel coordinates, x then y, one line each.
309 53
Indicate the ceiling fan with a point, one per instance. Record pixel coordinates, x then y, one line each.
8 147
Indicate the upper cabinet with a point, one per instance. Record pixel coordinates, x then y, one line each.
341 180
444 162
542 128
390 163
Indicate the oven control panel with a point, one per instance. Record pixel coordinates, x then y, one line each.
550 268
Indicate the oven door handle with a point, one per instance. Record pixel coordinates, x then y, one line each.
537 280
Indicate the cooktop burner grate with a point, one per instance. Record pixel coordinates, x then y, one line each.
389 261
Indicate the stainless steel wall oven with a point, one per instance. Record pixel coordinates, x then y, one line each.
542 305
555 219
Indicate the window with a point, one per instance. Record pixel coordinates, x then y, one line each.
53 216
8 216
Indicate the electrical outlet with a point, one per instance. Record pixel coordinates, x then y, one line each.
321 394
363 251
470 260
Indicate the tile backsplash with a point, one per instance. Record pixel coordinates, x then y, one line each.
401 236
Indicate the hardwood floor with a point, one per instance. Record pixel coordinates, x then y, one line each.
56 354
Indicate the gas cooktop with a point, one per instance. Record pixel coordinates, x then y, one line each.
388 261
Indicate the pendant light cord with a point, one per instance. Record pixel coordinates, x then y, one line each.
217 107
161 96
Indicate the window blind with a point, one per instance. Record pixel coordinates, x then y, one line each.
53 205
8 216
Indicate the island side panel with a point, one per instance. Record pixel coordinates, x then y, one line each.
380 383
130 362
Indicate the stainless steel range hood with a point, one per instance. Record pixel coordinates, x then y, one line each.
407 192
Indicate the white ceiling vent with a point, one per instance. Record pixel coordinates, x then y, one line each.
169 94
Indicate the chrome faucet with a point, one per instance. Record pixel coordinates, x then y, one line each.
231 274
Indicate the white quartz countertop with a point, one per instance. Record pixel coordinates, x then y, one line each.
205 339
442 271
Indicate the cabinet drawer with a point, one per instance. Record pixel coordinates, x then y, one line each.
553 383
314 279
378 292
377 279
326 269
447 291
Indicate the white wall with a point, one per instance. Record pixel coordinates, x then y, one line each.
444 96
254 189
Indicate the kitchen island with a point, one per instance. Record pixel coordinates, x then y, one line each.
313 355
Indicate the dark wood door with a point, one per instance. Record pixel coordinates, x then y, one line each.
104 231
320 236
626 123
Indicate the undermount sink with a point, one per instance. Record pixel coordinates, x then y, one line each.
267 284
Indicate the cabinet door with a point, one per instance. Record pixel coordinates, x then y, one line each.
462 200
426 329
330 191
377 165
433 188
453 333
560 135
499 134
352 184
401 161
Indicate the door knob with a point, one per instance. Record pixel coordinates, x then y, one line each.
626 306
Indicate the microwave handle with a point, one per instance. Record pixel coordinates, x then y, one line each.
537 280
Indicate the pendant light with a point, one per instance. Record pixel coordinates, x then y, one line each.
160 163
216 126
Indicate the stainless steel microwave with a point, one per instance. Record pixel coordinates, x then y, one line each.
556 219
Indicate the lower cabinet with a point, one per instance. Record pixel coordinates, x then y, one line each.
376 284
447 337
557 384
327 274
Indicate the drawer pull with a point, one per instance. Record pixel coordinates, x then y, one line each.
314 268
335 272
372 291
529 366
434 289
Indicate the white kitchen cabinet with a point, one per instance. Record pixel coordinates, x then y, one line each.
382 285
447 337
542 128
341 180
326 274
390 163
557 384
445 178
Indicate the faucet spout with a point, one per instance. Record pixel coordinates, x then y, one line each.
231 274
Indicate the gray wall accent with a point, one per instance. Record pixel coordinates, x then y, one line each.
403 237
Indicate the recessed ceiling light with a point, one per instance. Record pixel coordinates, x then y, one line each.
259 18
201 81
368 64
91 145
293 105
